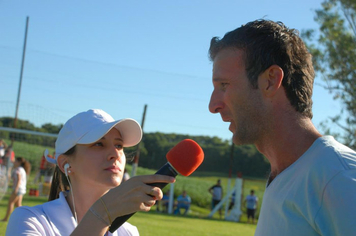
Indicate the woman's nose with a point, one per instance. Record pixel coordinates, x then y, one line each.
115 153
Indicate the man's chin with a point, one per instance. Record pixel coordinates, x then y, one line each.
238 140
235 139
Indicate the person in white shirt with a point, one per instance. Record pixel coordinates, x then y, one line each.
216 192
263 84
3 147
19 177
251 206
86 193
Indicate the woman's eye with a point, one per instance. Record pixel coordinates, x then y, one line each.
98 144
119 146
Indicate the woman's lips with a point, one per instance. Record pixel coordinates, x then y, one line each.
114 169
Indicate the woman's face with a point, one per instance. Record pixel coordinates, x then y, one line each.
99 164
17 163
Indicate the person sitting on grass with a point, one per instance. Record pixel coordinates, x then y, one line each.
183 201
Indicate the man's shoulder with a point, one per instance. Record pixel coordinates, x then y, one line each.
333 153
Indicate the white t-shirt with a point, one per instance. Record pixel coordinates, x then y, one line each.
316 195
52 218
2 151
217 192
23 182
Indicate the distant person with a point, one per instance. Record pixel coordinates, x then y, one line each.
41 171
9 160
162 205
86 193
3 170
251 203
49 170
217 193
3 147
183 202
48 174
232 200
19 178
263 84
165 201
126 175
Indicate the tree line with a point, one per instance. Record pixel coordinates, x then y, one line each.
333 47
220 156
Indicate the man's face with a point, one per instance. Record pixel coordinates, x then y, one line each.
234 98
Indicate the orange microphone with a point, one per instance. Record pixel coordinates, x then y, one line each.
184 159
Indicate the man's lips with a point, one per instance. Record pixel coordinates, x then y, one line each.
231 126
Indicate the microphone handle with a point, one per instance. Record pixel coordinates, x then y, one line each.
167 169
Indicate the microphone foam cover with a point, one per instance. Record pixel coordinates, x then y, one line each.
185 157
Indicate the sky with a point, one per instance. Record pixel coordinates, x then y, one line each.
122 55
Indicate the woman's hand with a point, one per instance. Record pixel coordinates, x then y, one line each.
131 196
135 195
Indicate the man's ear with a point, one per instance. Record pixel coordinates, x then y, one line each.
270 81
61 161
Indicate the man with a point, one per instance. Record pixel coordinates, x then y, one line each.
263 81
183 201
217 192
251 206
42 170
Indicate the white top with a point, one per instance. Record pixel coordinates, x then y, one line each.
52 218
23 182
217 192
2 151
316 195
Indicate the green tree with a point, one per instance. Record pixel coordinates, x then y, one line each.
334 56
50 128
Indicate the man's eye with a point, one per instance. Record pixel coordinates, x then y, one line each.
224 85
98 144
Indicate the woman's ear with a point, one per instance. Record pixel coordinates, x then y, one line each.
61 161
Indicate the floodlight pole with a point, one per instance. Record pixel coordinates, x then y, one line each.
137 156
21 74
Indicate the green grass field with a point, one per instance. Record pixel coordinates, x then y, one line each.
156 223
153 223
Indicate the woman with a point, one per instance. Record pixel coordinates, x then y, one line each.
3 147
19 176
9 160
90 163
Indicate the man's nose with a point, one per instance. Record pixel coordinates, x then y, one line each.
215 104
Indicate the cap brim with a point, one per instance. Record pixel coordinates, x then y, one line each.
130 131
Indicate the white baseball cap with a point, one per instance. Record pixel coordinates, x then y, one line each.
90 126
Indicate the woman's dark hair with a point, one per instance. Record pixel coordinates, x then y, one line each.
59 180
25 164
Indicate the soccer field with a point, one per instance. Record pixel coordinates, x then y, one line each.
153 223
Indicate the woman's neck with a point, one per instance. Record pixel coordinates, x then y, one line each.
81 200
